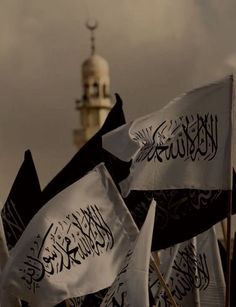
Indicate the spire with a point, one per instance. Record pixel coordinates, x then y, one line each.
92 25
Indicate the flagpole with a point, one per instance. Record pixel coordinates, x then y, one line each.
229 213
163 284
167 275
196 290
222 223
228 249
156 258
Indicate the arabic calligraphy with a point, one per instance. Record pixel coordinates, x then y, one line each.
189 271
117 294
189 138
66 244
12 223
174 205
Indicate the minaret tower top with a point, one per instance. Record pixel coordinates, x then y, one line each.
95 102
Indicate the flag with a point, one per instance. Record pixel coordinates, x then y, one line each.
91 300
23 201
185 145
75 302
74 244
6 300
193 272
4 254
89 156
130 287
181 214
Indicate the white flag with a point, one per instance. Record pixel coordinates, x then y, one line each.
187 144
4 254
130 287
74 245
193 272
6 300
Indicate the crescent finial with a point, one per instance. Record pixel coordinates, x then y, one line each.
92 25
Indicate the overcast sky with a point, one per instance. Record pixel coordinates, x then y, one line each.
156 49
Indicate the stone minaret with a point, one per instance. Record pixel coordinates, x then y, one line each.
95 103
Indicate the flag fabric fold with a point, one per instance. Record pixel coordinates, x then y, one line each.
74 244
186 144
89 156
193 272
130 287
23 202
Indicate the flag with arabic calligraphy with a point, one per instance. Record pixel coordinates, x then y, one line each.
74 245
182 213
84 160
186 144
23 202
193 272
90 155
130 287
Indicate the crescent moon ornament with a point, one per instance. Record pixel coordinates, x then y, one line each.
92 24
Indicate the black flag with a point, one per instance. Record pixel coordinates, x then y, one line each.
23 201
181 214
89 156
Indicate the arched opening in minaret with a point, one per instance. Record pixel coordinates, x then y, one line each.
95 89
105 91
86 91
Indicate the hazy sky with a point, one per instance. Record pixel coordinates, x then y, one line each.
156 49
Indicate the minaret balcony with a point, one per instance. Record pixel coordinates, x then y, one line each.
94 103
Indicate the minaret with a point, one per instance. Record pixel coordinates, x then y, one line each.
95 103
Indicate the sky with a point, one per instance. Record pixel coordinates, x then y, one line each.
156 50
